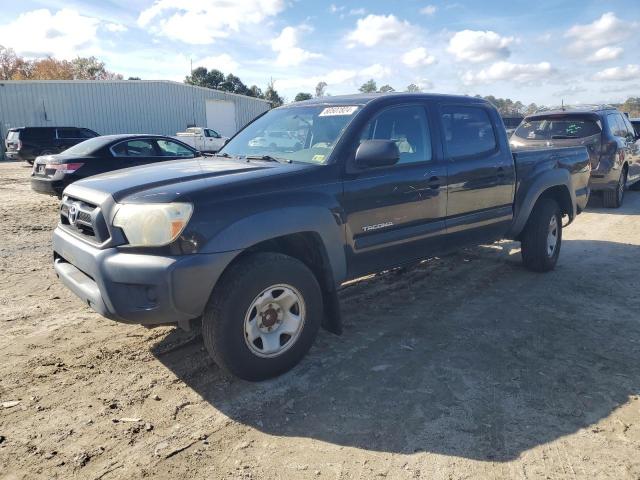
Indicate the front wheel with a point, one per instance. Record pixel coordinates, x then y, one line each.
542 237
263 316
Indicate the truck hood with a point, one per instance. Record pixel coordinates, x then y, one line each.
168 181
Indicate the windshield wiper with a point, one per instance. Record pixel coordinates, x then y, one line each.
267 158
225 155
560 137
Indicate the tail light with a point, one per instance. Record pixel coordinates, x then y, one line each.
63 167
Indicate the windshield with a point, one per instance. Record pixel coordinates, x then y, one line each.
88 147
299 134
548 128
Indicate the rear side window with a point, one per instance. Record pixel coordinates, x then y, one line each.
38 134
468 131
616 125
134 148
557 127
407 127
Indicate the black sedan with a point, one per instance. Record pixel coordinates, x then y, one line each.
52 173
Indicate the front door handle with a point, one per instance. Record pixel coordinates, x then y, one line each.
434 183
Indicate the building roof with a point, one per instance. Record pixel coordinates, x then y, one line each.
125 82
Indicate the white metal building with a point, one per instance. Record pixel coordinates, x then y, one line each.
123 106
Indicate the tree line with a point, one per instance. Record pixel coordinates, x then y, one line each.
15 67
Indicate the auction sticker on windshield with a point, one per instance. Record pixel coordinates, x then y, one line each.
333 111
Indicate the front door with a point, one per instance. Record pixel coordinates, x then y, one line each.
396 214
481 175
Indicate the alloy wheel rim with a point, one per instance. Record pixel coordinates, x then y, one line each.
274 320
552 236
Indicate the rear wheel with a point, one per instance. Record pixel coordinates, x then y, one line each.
614 198
542 237
263 316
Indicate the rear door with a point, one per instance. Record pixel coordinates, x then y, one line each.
481 174
634 150
396 214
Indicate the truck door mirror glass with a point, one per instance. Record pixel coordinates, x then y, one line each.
377 153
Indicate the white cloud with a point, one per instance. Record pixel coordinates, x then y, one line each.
512 72
286 45
115 27
429 10
335 78
479 46
374 29
605 31
425 84
223 62
628 72
38 33
203 21
418 57
605 54
375 71
570 91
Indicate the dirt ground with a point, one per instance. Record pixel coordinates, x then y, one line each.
467 366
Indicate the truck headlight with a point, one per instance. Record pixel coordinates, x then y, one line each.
152 225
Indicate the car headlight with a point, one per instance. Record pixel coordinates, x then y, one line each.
152 225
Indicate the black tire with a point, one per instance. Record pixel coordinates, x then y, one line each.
223 321
614 198
535 249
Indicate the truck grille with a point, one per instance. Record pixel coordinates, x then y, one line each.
84 219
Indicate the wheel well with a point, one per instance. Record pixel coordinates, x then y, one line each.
306 247
561 195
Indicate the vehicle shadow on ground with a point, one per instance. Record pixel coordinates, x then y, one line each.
470 355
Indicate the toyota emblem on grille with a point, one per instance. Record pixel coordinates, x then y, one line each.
73 214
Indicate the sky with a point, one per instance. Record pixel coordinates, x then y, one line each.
545 52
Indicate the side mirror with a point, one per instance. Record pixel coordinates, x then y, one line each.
198 153
377 153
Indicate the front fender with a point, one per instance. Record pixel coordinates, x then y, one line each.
530 191
266 225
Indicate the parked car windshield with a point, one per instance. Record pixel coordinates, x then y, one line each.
553 127
87 147
297 133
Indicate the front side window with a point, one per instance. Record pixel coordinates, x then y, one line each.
134 148
311 133
557 127
86 133
211 133
468 131
167 148
68 133
407 127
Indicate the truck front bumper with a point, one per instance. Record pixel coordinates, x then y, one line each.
134 287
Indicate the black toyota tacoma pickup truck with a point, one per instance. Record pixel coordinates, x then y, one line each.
257 240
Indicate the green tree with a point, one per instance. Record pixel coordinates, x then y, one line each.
302 96
413 88
134 78
255 91
201 77
320 89
233 84
531 108
631 106
271 95
369 87
90 68
387 88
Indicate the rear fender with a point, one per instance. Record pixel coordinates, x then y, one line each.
529 193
